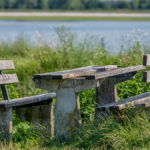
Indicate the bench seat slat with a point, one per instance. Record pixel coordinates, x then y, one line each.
6 65
115 72
27 100
132 101
8 78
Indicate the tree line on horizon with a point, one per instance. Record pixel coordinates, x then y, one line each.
74 4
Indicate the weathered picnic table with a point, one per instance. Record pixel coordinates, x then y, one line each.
67 85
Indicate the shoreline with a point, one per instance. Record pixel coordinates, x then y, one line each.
74 16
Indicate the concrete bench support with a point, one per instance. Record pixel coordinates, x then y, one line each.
106 93
6 124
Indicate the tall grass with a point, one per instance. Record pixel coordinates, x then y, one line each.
130 130
69 53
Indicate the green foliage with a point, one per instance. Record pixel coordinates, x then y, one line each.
87 103
135 4
43 4
133 87
90 4
24 134
12 90
1 4
131 130
74 4
126 133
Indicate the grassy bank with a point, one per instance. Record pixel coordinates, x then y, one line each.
72 18
132 132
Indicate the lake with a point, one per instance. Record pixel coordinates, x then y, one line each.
115 33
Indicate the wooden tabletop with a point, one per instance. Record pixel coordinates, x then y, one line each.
116 72
90 72
79 72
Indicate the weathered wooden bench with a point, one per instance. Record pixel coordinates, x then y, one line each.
135 101
142 99
35 109
67 84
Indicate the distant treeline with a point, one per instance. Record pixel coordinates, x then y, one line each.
75 4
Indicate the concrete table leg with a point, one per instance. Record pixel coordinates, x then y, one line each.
6 124
67 115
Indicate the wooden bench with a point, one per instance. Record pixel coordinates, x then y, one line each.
136 101
35 109
127 103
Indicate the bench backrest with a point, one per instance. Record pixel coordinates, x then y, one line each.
6 78
146 62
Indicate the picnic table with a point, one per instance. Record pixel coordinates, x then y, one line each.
67 84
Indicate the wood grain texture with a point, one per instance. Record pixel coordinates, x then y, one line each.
74 72
27 100
115 72
6 124
6 64
37 114
8 78
146 76
132 101
146 60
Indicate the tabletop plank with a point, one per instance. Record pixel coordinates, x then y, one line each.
115 72
74 72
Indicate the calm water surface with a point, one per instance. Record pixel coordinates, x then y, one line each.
115 33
